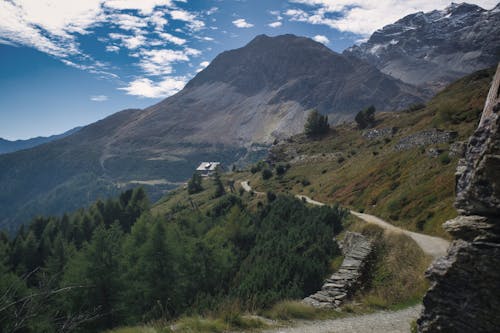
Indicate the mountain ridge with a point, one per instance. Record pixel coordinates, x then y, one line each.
10 146
432 49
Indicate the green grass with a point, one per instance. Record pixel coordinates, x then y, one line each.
291 309
407 188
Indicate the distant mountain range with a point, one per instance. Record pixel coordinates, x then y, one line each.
230 112
432 49
8 146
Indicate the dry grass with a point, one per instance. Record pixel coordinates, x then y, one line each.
291 309
397 273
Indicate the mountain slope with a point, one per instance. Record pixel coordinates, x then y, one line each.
402 170
243 100
432 49
7 146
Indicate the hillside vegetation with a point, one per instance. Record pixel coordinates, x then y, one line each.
373 171
120 262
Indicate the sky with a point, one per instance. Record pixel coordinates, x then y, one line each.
70 63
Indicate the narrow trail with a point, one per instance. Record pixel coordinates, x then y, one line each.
379 322
433 246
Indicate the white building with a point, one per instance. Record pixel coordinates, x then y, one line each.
208 168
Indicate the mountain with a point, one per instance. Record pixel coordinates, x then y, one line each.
7 146
432 49
231 110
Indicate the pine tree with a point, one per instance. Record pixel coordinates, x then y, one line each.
194 184
316 124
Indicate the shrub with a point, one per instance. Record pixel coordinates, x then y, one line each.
271 196
266 174
444 159
280 170
194 184
366 117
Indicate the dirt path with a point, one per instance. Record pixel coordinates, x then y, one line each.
379 322
433 246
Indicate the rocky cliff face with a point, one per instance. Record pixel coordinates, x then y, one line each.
432 49
465 291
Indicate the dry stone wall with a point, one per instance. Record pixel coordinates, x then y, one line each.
340 285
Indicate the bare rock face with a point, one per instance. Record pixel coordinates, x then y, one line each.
465 291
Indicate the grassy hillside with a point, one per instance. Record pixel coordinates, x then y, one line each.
407 187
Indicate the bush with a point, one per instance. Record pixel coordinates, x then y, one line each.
444 159
271 196
366 118
266 174
287 310
280 170
194 184
316 124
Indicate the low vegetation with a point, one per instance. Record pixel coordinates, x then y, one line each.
363 170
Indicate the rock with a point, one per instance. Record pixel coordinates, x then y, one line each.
457 149
425 138
465 289
434 152
356 249
375 133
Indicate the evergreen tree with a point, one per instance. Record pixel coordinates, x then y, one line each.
366 117
316 124
219 187
194 184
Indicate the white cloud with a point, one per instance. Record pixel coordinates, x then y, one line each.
208 39
212 11
99 98
242 23
130 42
365 16
202 66
321 39
144 87
276 24
158 20
171 38
190 18
112 48
159 62
146 7
128 22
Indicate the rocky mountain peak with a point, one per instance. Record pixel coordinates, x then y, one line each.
434 48
270 62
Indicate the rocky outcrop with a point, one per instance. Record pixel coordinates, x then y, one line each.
379 133
425 138
434 48
465 291
356 249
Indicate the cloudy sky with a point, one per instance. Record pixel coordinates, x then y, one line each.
69 63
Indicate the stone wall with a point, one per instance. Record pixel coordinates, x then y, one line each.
379 133
341 285
425 138
465 290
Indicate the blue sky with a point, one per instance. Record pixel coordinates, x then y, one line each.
69 63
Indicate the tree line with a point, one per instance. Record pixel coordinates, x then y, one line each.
116 263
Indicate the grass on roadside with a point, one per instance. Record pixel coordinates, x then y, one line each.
397 272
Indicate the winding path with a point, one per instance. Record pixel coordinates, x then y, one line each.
433 246
379 322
